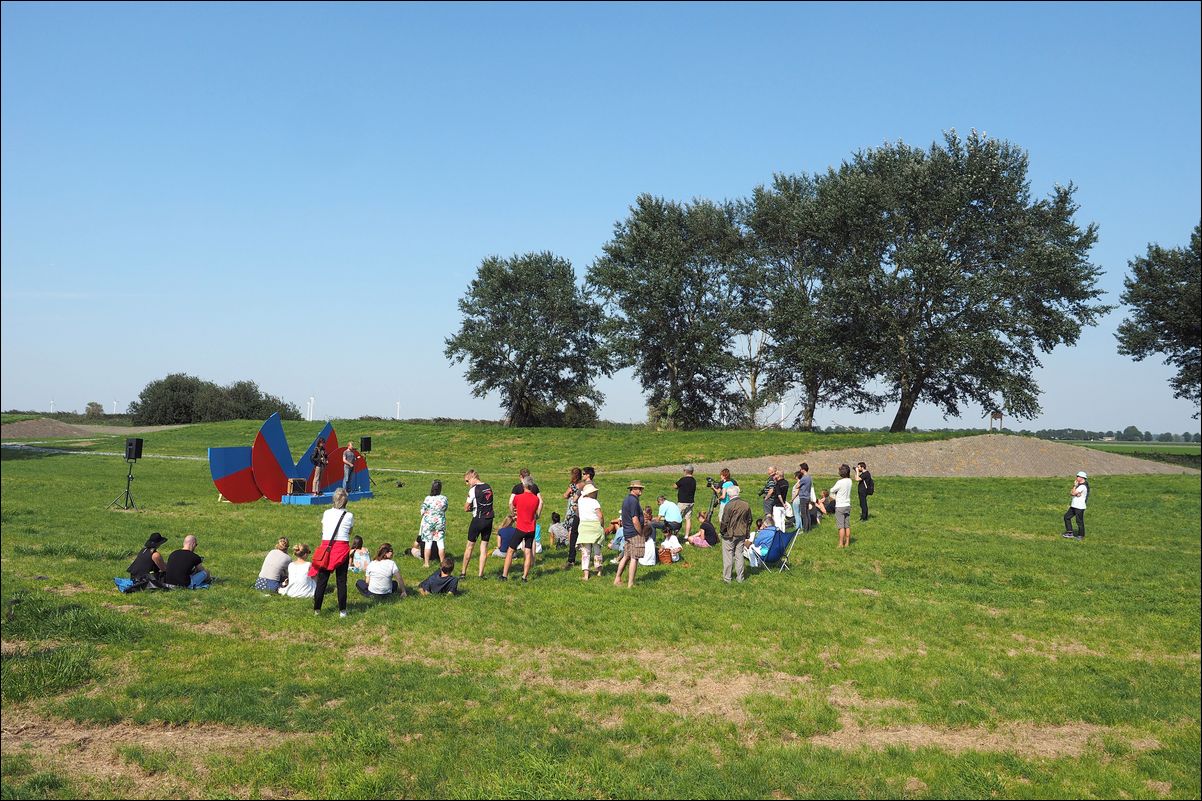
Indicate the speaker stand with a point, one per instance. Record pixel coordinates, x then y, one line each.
126 499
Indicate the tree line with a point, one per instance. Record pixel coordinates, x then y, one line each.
904 276
181 398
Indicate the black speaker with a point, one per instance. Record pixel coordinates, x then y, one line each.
365 445
133 448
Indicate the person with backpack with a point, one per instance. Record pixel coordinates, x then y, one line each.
1076 508
480 504
864 487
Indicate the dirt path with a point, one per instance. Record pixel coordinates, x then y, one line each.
45 428
987 455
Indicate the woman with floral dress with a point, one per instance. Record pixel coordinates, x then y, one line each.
572 513
433 530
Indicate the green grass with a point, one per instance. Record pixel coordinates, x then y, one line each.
1142 447
490 448
958 608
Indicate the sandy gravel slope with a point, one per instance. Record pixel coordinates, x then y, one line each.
985 455
46 428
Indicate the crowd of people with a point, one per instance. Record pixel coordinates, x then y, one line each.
640 535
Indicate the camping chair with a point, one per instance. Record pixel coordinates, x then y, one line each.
779 550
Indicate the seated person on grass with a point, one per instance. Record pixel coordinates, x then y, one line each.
183 568
444 581
708 536
274 571
148 566
383 576
559 532
762 540
299 583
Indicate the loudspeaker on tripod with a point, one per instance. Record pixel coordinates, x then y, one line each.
133 448
365 445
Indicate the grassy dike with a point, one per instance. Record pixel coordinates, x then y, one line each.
959 648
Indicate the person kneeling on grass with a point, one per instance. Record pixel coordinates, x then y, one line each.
183 568
383 576
441 582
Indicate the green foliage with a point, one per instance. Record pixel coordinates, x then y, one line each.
181 398
530 334
1164 291
94 411
793 232
665 278
954 277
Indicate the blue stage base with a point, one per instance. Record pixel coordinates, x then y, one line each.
323 500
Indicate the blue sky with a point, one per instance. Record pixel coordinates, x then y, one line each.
298 194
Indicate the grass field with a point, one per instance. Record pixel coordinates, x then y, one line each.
1193 448
960 648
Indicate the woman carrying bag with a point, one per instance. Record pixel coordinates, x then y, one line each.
333 554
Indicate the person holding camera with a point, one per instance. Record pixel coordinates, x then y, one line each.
864 487
724 490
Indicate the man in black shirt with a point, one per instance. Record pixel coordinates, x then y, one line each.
686 493
780 499
442 581
183 568
864 487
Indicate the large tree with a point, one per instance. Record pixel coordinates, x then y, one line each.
664 278
796 239
181 398
531 334
1164 291
958 278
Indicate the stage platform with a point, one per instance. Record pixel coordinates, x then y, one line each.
323 500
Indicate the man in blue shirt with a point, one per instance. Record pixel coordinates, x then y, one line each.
633 531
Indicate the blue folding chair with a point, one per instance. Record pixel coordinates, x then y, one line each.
779 550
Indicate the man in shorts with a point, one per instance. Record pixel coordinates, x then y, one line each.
480 504
633 532
526 507
686 493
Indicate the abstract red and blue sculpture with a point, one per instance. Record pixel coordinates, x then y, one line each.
245 474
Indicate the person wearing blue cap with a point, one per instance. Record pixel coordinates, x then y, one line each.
1076 508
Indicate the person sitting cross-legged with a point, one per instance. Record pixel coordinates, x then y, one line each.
183 568
383 576
444 581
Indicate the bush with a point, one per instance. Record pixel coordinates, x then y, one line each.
181 398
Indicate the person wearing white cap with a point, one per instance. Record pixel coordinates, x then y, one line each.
1076 508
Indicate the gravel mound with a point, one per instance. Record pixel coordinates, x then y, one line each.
987 455
48 428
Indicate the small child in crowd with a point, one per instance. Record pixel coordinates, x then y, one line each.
359 556
559 532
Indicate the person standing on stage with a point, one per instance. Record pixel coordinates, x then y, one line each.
319 460
348 467
480 504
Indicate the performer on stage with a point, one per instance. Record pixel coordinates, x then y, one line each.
319 459
348 466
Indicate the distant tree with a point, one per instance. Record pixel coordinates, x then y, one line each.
1185 436
94 409
181 398
1164 291
1147 436
795 239
1165 437
1131 434
1197 437
665 281
530 334
958 277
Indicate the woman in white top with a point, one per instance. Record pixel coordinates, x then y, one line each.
299 585
841 492
383 576
274 571
336 525
1076 507
591 531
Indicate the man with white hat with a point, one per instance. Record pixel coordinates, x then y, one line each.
1076 508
